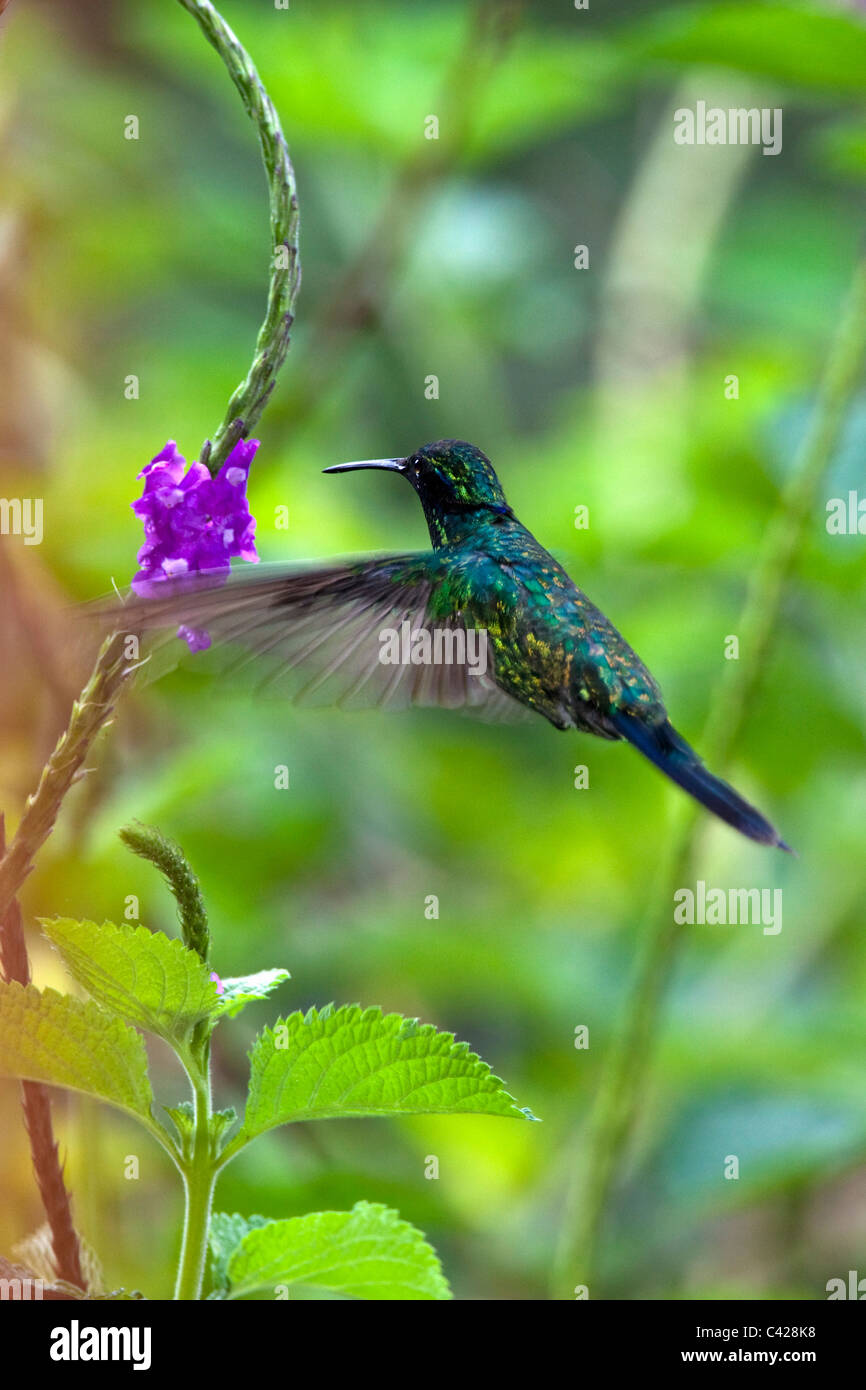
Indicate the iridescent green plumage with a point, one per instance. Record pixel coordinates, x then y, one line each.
548 649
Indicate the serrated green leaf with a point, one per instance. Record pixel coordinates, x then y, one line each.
368 1252
225 1234
239 990
51 1037
148 978
358 1061
220 1122
182 1116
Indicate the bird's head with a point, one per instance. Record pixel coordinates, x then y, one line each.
450 476
452 472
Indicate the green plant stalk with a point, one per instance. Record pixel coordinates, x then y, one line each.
619 1094
199 1178
91 712
36 1107
242 413
785 536
272 344
93 709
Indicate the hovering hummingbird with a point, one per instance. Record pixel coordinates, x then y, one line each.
546 648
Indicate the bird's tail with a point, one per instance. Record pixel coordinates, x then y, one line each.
669 751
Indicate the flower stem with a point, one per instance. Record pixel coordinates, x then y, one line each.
36 1105
251 396
601 1149
199 1178
93 709
91 712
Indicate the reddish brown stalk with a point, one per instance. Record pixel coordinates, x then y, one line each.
90 714
47 1167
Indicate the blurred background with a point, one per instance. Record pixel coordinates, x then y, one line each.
602 387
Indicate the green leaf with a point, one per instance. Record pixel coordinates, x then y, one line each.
368 1252
840 148
51 1037
356 1061
547 80
182 1116
146 977
225 1234
240 990
220 1122
544 84
792 43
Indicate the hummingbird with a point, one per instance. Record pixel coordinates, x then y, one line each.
532 642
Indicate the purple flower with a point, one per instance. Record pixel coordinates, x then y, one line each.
196 638
194 523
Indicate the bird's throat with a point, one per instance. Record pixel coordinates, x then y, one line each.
460 521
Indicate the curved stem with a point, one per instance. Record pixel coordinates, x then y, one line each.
94 708
602 1146
272 344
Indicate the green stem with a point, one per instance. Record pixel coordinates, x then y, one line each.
91 712
94 708
242 413
784 538
199 1178
272 344
601 1149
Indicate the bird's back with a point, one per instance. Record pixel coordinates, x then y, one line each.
552 648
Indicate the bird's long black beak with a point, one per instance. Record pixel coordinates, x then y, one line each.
390 465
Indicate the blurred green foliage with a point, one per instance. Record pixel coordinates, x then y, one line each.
602 387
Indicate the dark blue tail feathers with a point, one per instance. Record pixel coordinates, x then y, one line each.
676 759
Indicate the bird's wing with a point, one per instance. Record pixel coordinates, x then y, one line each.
324 636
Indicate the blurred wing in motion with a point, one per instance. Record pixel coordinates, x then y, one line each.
328 636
